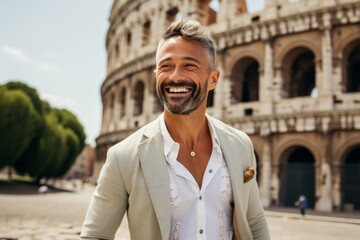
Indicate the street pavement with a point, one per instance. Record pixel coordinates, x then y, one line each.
27 215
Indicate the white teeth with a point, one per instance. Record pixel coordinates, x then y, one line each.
178 90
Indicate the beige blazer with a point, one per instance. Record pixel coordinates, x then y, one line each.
134 180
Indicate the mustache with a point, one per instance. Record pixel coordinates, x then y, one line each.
181 83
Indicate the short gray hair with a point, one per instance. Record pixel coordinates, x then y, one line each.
193 31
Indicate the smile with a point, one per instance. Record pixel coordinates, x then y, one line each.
178 89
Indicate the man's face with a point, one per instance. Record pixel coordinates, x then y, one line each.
182 75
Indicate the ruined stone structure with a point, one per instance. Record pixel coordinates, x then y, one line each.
290 79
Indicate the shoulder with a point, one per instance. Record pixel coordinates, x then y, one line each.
226 129
130 144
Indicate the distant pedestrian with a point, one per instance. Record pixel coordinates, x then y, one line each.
302 204
43 189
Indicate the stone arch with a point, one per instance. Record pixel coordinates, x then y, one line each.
351 65
303 43
157 106
296 141
138 97
128 35
342 150
344 44
297 175
146 31
105 100
109 102
122 101
239 54
114 51
350 178
341 157
245 80
112 102
298 73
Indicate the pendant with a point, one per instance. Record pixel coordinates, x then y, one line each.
192 153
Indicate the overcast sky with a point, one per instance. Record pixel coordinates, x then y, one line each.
58 48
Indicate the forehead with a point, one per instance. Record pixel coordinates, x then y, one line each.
179 47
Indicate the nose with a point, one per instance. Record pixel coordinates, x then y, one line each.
176 74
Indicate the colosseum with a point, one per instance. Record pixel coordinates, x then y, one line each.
290 79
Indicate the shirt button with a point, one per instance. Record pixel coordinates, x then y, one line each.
201 231
200 197
210 170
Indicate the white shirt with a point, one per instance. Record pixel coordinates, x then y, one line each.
196 213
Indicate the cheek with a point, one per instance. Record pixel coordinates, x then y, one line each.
159 82
160 77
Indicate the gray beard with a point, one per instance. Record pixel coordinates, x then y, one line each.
190 104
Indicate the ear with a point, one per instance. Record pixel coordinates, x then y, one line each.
214 78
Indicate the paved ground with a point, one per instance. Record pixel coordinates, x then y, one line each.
27 215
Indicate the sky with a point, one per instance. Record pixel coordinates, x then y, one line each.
58 48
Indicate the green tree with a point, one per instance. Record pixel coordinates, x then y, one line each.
30 92
46 140
73 147
47 155
75 137
57 148
21 165
55 133
19 122
70 121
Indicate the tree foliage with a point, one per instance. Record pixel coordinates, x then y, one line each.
45 157
30 92
18 125
69 121
46 140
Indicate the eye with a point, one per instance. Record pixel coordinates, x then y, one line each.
190 66
164 67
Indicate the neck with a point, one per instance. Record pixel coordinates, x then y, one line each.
187 129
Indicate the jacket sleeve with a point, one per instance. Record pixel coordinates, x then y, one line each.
255 212
108 204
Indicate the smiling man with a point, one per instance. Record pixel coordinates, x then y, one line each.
185 175
182 79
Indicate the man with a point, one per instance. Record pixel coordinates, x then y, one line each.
185 175
302 203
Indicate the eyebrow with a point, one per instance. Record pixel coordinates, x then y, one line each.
184 58
192 59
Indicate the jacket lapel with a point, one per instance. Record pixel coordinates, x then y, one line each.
232 157
155 171
232 151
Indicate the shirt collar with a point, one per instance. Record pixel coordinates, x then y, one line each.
214 136
168 141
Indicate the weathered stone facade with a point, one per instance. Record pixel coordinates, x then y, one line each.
290 78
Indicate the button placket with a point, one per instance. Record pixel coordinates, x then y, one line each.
201 216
